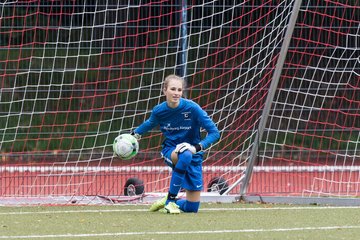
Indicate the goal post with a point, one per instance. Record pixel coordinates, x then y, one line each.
76 74
245 180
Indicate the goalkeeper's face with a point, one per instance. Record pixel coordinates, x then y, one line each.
173 92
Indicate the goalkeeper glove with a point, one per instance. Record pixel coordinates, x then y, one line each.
136 135
186 146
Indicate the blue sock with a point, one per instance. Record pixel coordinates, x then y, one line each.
187 206
178 175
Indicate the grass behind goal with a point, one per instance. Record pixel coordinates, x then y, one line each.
214 221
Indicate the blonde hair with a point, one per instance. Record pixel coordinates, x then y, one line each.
175 77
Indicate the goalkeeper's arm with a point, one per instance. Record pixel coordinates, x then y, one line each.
145 127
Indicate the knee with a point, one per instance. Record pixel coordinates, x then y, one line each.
186 155
184 160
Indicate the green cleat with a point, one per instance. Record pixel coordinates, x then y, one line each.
171 208
159 204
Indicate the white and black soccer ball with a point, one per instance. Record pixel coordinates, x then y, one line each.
125 146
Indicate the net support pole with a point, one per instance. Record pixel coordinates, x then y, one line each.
245 179
181 66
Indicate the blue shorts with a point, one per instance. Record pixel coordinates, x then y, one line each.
193 180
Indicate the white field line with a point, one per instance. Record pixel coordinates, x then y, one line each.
116 234
201 209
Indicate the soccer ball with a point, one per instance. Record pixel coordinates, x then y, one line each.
125 146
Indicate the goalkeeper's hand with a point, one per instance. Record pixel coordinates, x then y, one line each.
186 146
136 135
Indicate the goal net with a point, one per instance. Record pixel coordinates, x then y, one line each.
75 74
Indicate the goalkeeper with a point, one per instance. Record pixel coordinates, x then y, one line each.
180 121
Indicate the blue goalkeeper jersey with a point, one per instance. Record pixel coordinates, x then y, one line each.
181 124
